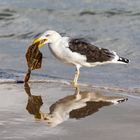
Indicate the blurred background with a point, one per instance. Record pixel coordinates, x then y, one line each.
106 23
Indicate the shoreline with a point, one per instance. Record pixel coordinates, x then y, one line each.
17 122
64 82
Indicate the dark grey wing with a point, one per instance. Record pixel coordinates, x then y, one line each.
90 108
92 53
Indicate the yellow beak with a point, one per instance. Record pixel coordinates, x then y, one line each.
40 42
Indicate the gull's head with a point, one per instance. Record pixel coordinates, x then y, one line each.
49 36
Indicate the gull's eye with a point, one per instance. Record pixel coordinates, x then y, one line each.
47 35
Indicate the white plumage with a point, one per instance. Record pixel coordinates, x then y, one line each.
77 52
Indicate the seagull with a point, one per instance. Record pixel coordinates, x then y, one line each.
77 51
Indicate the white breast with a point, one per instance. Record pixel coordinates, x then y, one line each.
60 50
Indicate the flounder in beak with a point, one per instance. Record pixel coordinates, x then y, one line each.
33 58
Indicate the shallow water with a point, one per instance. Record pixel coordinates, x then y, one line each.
109 24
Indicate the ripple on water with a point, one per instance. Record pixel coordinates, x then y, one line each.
109 13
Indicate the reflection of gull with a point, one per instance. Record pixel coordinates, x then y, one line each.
77 52
79 105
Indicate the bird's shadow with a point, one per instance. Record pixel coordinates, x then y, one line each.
76 106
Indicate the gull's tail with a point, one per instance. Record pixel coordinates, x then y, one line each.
118 59
123 60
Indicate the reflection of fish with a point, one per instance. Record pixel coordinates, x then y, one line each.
34 103
78 106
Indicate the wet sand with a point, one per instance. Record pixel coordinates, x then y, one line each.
119 121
